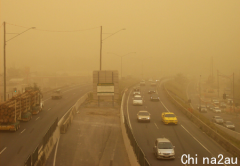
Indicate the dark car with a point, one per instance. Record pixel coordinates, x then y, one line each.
151 91
154 97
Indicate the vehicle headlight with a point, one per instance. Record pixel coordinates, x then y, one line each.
148 118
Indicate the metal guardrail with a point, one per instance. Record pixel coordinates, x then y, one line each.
33 158
137 150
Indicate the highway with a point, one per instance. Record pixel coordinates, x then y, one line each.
15 147
193 94
187 138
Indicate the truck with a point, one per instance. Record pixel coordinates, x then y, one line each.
57 94
21 107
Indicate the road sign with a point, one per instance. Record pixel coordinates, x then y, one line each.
105 89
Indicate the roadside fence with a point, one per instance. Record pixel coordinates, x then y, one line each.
33 158
137 150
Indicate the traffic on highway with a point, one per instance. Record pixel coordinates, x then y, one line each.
16 146
166 135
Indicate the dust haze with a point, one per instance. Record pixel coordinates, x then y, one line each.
168 36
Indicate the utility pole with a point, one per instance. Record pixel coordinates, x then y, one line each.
233 93
200 91
100 48
218 82
4 61
121 67
212 69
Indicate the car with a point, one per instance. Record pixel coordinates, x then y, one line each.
217 119
169 117
142 83
216 102
151 91
211 107
136 89
229 125
150 80
136 93
217 110
222 105
57 94
143 116
230 101
154 97
163 149
137 100
202 108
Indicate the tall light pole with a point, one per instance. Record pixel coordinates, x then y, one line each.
101 41
4 53
121 56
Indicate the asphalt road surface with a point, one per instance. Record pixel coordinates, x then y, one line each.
187 138
15 147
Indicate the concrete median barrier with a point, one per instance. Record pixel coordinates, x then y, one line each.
129 149
53 135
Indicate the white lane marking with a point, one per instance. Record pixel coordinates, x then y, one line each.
23 131
55 154
47 99
3 150
164 106
49 109
37 118
127 110
156 125
197 140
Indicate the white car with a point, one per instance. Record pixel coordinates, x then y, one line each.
163 149
216 102
217 110
137 100
136 93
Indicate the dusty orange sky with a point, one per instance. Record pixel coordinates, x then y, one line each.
178 36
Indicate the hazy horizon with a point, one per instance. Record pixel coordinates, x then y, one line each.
177 36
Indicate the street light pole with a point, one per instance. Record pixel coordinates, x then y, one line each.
100 48
121 58
101 40
121 66
4 55
4 61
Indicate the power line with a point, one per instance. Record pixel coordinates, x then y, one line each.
54 30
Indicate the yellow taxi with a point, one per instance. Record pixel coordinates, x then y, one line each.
169 118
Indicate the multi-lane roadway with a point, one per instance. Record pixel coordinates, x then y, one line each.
193 95
15 147
188 139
